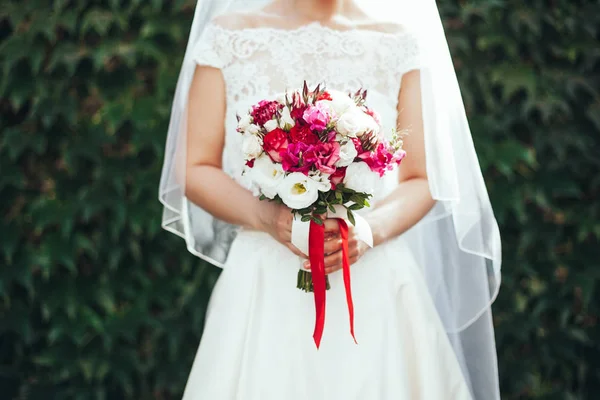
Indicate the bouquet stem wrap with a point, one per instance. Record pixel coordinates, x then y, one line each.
309 237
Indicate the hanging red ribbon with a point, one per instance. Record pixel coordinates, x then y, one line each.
316 254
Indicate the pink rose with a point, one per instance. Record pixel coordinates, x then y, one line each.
337 177
317 116
323 156
274 143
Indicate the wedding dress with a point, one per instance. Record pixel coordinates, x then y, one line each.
257 343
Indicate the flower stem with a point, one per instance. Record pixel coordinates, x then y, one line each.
305 281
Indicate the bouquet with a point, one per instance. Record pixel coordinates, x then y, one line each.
317 151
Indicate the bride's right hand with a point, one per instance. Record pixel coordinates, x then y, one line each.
276 220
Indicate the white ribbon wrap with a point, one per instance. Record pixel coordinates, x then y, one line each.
301 229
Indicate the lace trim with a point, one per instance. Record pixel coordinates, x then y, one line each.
216 46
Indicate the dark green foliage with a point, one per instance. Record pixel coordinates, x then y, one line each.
96 302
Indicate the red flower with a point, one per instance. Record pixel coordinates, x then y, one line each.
324 96
274 143
298 113
337 177
265 111
250 163
303 134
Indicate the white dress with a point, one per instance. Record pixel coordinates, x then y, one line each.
257 343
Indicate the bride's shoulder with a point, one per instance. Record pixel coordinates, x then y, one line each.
239 20
383 27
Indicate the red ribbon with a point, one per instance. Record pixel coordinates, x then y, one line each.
316 254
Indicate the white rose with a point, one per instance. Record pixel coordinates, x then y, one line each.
281 98
267 175
244 122
253 129
251 146
360 178
340 102
286 119
347 154
350 124
298 191
271 125
321 180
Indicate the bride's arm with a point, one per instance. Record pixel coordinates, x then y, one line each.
411 200
206 184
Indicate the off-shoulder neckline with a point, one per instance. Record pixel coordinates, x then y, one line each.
315 25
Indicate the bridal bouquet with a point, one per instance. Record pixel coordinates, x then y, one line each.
317 151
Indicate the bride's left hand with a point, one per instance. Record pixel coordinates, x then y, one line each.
333 246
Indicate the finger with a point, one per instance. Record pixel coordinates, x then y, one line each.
337 267
332 246
333 259
331 226
295 250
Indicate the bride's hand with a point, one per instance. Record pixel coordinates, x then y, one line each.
333 246
276 220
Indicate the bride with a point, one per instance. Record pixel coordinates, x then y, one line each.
422 294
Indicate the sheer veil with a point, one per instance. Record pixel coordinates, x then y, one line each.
457 244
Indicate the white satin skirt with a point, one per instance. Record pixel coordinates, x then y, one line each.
258 345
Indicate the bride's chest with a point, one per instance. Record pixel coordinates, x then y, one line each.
265 62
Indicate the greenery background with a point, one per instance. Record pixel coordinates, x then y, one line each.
96 302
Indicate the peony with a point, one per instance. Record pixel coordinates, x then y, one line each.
271 125
340 103
317 116
298 191
360 178
348 153
267 175
303 134
251 146
286 121
323 156
275 142
351 124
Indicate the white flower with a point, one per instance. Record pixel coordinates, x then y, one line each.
253 129
298 191
286 119
271 125
351 124
244 122
267 175
360 178
341 102
251 146
347 154
321 180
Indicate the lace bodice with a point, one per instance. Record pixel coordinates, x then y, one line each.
260 62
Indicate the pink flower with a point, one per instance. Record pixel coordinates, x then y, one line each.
265 111
323 156
274 143
317 116
337 177
383 158
293 160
